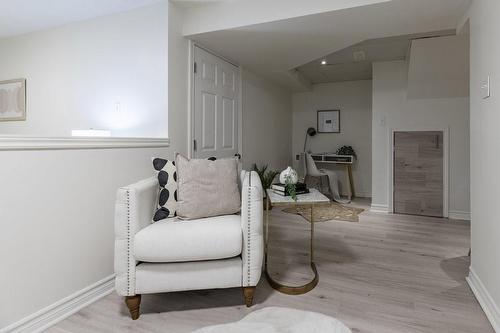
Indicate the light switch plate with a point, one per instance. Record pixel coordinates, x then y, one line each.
485 88
382 120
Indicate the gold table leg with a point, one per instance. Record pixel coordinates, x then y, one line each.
266 231
292 290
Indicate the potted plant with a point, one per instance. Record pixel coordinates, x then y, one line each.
346 150
266 178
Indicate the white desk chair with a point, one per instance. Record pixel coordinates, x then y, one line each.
333 180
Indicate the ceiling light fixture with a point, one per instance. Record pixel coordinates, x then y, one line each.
323 62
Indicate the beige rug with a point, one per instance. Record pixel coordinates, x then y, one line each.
322 213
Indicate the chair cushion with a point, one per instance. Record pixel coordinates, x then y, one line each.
207 187
173 240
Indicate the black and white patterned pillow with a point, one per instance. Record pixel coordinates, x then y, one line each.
167 194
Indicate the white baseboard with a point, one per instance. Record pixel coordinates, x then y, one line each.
458 215
359 194
484 298
384 209
453 214
52 314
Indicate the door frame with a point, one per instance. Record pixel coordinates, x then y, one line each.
191 111
446 163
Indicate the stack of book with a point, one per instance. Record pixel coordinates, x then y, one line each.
300 188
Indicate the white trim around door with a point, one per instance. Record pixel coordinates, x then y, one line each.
446 163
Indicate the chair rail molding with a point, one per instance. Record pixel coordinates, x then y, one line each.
55 143
54 313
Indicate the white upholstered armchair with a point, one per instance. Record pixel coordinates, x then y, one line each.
166 256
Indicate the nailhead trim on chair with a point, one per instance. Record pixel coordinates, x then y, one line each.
248 225
128 242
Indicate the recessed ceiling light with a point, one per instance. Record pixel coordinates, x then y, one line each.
323 62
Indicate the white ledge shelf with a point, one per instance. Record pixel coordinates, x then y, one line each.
42 143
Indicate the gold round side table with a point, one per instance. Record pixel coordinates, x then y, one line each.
310 199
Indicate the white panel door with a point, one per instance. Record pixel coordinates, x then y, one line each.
216 99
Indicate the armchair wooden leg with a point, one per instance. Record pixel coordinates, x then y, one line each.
248 294
133 304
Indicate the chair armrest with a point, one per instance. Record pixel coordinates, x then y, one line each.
252 224
134 210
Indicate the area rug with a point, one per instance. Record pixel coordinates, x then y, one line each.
332 211
281 320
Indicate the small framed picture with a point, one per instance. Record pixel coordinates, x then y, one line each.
328 121
13 100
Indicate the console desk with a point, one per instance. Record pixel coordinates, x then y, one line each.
346 160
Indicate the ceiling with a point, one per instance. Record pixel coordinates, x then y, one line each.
23 16
293 36
355 62
205 16
275 48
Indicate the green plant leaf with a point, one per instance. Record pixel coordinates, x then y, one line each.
291 188
266 176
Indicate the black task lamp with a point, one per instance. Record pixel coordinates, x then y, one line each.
311 131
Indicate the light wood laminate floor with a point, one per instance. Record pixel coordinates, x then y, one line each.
385 274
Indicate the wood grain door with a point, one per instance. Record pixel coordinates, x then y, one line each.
418 173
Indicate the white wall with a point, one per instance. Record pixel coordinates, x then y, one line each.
354 99
267 123
393 110
57 211
485 159
57 206
432 75
77 73
178 83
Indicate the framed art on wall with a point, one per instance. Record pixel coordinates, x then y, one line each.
328 121
13 100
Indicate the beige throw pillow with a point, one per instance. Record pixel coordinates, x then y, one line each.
207 188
